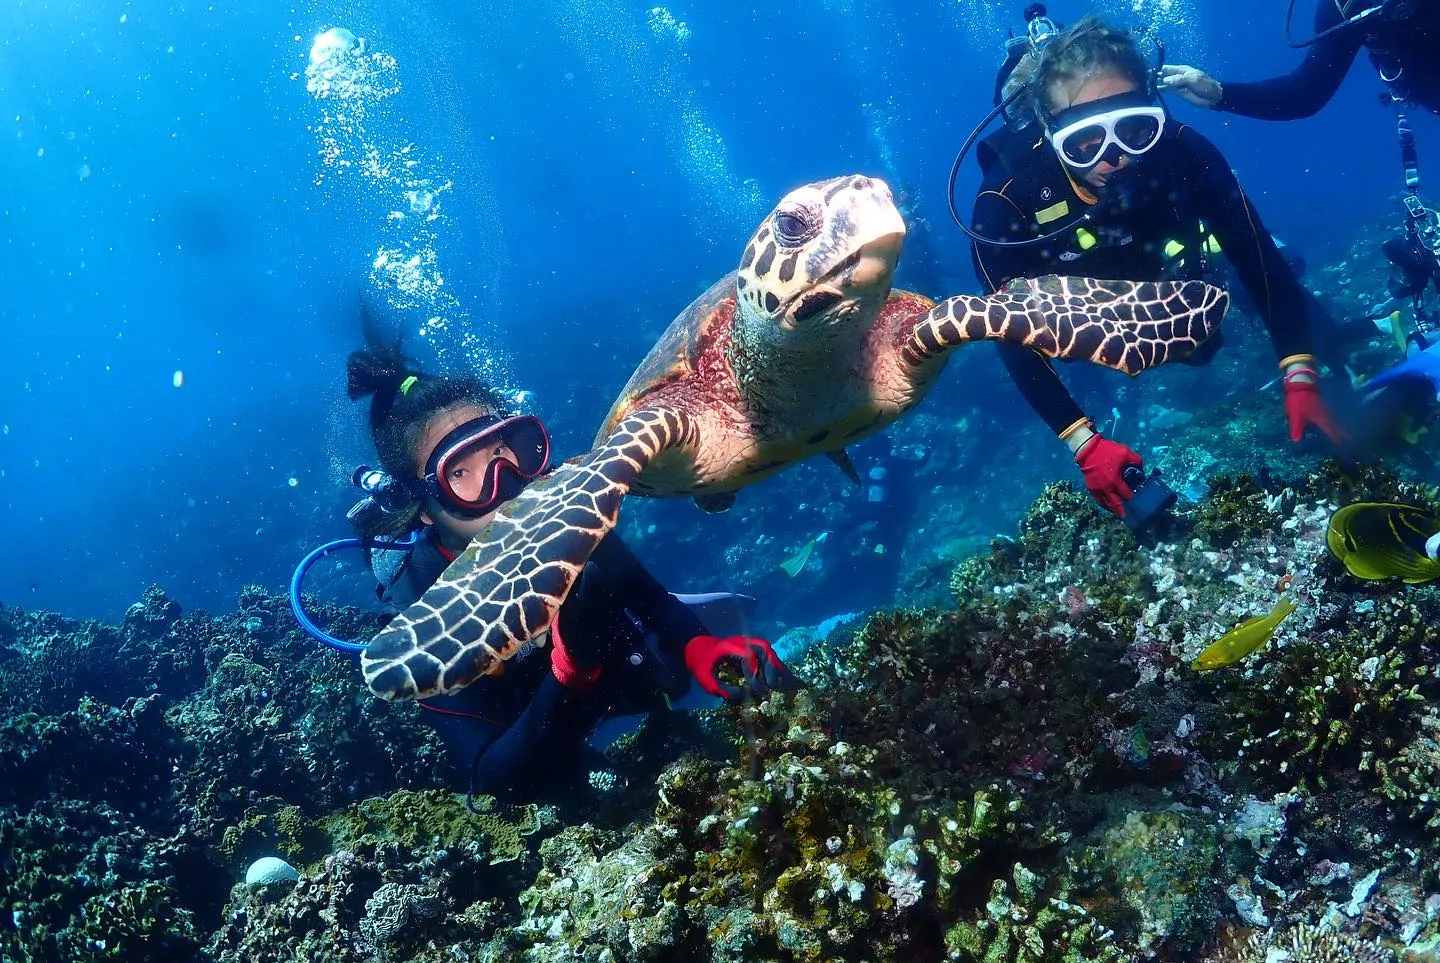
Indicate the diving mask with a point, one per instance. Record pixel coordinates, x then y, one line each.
486 462
1130 123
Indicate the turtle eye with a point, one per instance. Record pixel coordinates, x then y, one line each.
793 228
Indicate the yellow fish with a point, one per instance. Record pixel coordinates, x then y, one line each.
1243 639
797 562
1380 540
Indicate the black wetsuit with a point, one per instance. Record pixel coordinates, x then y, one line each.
521 733
1407 49
1164 196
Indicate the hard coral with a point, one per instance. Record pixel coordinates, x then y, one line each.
1304 943
601 892
1026 921
1412 778
1160 866
1333 703
1236 508
82 882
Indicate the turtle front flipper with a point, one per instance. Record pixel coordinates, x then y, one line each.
1126 325
506 587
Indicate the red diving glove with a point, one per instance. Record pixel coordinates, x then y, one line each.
704 653
1102 462
1304 406
573 670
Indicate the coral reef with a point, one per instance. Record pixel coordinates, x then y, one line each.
1031 772
1304 943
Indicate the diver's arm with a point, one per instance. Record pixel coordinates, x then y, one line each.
998 217
1041 387
556 721
1302 92
642 594
1228 214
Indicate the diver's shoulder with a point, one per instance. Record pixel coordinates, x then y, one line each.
1188 144
612 546
423 565
1026 176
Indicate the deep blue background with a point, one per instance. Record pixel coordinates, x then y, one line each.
162 214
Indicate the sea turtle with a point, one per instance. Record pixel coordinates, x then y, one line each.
802 351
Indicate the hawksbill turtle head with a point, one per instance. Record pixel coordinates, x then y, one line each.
824 256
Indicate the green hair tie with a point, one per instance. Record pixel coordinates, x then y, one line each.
408 383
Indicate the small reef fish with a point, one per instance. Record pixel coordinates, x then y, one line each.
797 562
1380 540
1243 639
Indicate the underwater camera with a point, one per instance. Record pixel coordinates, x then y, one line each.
1151 498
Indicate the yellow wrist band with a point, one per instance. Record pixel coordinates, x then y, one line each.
1079 423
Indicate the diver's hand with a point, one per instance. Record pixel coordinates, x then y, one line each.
1304 408
1103 463
763 669
1192 84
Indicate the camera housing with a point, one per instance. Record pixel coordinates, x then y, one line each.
1151 498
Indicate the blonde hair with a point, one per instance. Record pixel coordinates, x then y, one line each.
1087 49
1021 76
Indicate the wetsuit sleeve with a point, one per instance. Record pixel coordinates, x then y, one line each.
1310 86
556 720
998 217
416 574
1231 218
642 593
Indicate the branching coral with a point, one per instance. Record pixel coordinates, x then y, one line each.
1412 777
1025 922
1337 701
1304 943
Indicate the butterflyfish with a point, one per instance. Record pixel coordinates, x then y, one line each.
1243 639
1380 540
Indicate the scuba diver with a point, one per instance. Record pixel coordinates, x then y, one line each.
1114 188
1403 40
1402 36
1011 145
449 456
889 493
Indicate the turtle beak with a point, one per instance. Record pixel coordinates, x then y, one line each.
876 262
863 277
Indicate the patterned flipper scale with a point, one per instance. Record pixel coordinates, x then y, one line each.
506 587
1126 325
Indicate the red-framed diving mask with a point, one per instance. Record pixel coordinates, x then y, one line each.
485 462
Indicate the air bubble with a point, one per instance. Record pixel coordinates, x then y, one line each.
335 42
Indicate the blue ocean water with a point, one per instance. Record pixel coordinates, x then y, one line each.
182 266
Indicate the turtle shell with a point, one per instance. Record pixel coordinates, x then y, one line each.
680 352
